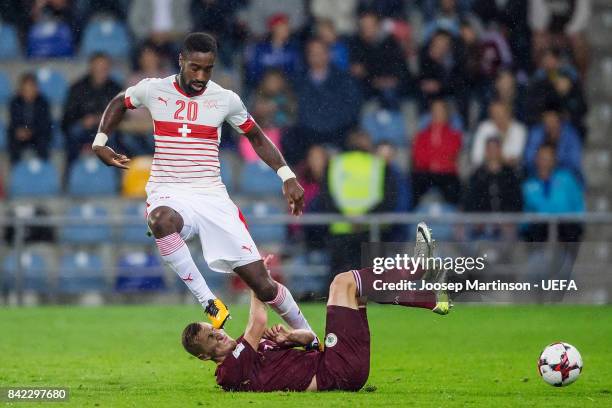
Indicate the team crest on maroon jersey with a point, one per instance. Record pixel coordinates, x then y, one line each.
331 340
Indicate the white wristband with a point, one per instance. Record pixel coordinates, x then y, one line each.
285 173
100 140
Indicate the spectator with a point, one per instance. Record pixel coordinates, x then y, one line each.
264 110
557 23
329 103
441 72
435 155
218 17
562 136
30 120
511 18
56 10
552 190
138 124
501 124
338 49
275 87
85 104
91 8
445 16
556 83
377 61
162 22
341 13
357 182
277 51
402 192
493 187
312 176
507 90
258 13
54 30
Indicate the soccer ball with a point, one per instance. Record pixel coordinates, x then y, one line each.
560 364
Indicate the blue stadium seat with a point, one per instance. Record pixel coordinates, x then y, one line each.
58 140
49 39
9 44
258 179
139 271
3 140
34 178
385 126
227 175
81 272
34 269
84 233
6 90
136 234
108 36
216 281
90 177
262 233
52 84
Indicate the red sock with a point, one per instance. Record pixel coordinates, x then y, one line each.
365 279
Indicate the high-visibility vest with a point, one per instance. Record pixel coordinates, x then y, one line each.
356 183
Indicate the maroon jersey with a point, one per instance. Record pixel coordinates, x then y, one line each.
270 368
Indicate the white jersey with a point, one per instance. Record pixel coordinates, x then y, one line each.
187 130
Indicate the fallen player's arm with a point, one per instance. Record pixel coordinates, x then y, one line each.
289 338
267 151
258 319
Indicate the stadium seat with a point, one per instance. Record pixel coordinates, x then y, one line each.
9 43
264 233
258 179
385 126
57 137
49 39
227 175
81 272
136 234
90 177
5 89
34 178
3 140
135 179
34 269
52 84
139 271
86 233
108 36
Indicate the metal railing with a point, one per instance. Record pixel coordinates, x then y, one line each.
376 222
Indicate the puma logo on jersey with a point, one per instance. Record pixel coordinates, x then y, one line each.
165 101
248 248
188 278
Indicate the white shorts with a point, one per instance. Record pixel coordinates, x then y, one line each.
211 214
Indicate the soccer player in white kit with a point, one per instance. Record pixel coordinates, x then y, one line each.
185 194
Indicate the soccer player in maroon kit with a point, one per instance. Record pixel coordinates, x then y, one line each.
264 359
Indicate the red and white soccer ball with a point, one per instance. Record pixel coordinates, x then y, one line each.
560 364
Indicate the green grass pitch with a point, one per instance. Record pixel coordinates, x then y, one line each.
478 356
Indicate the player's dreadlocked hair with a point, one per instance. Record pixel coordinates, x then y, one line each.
190 339
199 42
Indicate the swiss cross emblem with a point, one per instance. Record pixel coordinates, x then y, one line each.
184 131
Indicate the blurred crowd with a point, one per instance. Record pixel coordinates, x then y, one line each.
381 105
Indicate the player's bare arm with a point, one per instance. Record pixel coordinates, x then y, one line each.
286 337
258 319
112 116
267 151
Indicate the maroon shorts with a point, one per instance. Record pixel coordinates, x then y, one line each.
345 364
